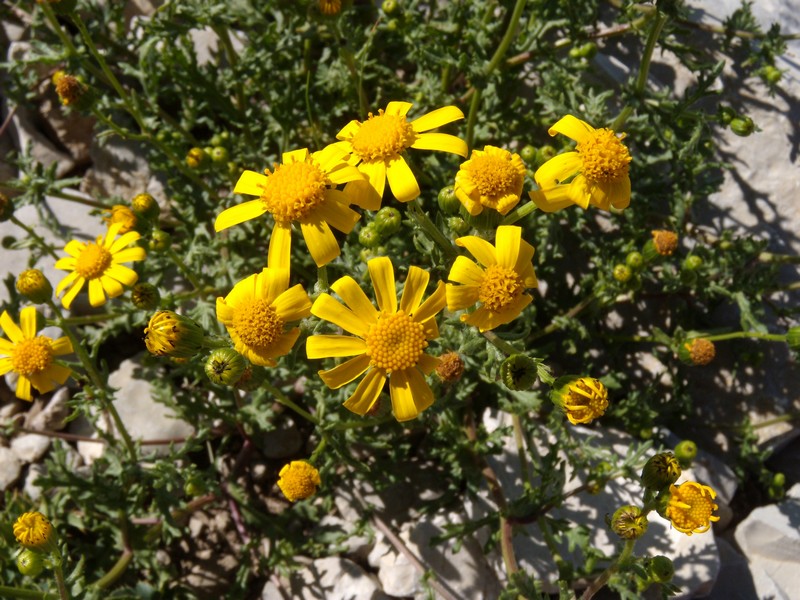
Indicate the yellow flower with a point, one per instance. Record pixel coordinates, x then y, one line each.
298 480
583 399
491 178
691 507
499 285
378 143
330 7
170 334
31 356
389 341
120 213
257 311
98 263
596 173
34 531
300 190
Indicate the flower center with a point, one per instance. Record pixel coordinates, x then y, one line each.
257 323
587 399
382 137
493 175
690 508
93 261
395 342
32 356
499 288
605 157
293 190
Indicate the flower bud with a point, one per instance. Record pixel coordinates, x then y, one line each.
219 154
528 154
692 263
159 241
518 372
697 352
298 480
660 569
770 74
634 260
69 88
583 399
146 205
725 114
30 563
387 222
369 237
34 286
629 523
685 452
330 7
196 157
251 379
224 366
123 215
145 296
664 242
174 335
660 471
458 225
450 367
6 207
448 201
622 273
34 532
742 126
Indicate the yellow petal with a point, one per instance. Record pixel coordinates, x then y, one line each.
42 382
375 172
482 250
410 394
473 208
579 191
59 373
280 247
66 264
68 279
27 322
74 248
381 272
239 214
486 320
367 392
130 255
402 182
294 156
328 309
270 283
96 295
524 257
355 298
573 128
552 200
620 193
558 169
66 301
435 303
443 142
123 241
122 274
460 297
293 304
398 108
465 271
250 183
6 348
348 131
345 173
507 243
413 289
111 234
333 346
111 287
427 363
346 372
437 118
10 328
336 213
321 242
61 346
23 391
283 344
362 194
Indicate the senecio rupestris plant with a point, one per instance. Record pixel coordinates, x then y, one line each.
336 277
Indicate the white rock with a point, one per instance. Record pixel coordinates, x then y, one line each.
331 578
357 545
10 468
53 416
30 447
30 488
770 539
739 580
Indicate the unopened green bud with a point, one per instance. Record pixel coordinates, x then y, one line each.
770 74
196 157
622 273
146 206
692 263
369 237
660 471
544 154
34 286
458 225
448 201
634 260
145 296
742 126
159 240
779 479
387 222
660 569
726 114
174 335
194 486
30 563
219 154
518 372
225 366
629 523
686 452
528 154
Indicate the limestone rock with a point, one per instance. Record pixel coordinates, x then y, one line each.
10 468
30 447
331 578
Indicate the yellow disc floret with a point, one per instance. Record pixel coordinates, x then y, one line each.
292 190
395 342
257 323
34 531
605 157
691 507
32 356
584 400
500 287
298 480
494 175
93 261
382 137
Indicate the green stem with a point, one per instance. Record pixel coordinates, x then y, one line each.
289 403
12 592
603 578
318 450
472 117
552 545
519 440
644 69
518 213
322 279
500 344
97 381
60 583
78 200
772 337
35 236
59 31
115 572
424 222
90 319
788 417
184 269
770 257
552 327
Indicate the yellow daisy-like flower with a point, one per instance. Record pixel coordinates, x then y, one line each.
99 264
499 285
691 507
120 213
299 480
34 531
257 311
491 178
378 143
389 341
583 399
300 190
30 356
596 173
